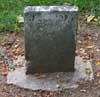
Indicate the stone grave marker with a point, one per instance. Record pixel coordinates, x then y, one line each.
50 38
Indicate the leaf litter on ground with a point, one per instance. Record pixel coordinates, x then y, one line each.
11 39
87 36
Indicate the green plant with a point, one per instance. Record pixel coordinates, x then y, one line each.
10 9
91 6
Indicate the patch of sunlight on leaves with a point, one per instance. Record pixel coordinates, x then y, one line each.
90 18
20 19
95 19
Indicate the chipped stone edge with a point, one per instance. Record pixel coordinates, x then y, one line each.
50 8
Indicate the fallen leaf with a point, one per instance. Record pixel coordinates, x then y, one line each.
17 51
80 42
88 70
1 42
4 70
1 62
17 40
16 46
85 58
39 75
98 50
98 74
19 65
82 49
89 46
90 18
4 89
98 62
11 39
95 19
87 37
16 96
5 73
10 69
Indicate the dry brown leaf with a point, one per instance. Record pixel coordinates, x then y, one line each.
11 39
98 62
98 74
17 51
5 73
40 75
1 62
16 96
1 42
19 65
4 70
87 37
4 89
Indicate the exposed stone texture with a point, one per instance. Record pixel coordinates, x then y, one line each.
52 81
50 38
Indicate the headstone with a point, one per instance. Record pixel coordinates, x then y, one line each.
50 38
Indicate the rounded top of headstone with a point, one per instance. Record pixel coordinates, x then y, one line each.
49 8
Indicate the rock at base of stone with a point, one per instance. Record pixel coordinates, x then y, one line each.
52 81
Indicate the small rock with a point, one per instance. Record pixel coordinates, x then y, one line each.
34 94
57 86
83 90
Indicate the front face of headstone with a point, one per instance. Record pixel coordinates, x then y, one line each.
50 38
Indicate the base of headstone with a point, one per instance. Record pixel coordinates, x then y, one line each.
30 69
52 81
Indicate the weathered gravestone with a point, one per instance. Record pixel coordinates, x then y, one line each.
50 38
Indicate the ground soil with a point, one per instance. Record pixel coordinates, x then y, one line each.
88 47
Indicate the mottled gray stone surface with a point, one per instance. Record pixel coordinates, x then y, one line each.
50 38
52 81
